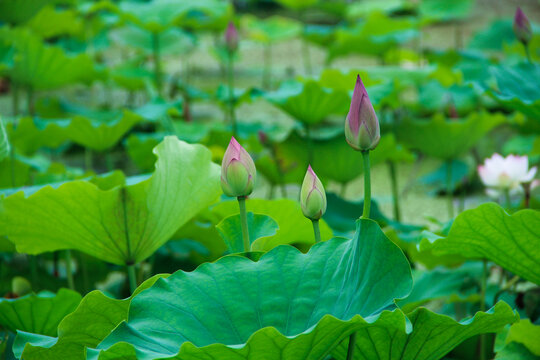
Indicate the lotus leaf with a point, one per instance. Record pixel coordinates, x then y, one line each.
171 41
124 224
441 10
259 226
271 29
488 232
16 12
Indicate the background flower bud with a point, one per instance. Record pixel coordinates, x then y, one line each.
231 37
237 171
522 27
362 126
312 196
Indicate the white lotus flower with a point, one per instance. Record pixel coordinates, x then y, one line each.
505 174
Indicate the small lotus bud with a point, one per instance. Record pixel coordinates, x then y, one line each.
20 286
263 138
522 27
237 171
362 126
231 37
312 196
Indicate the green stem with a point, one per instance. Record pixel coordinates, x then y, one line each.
395 191
449 191
88 159
483 308
307 57
33 272
350 349
109 161
271 191
132 275
367 185
267 70
157 61
30 101
244 222
506 287
507 199
309 143
343 190
230 81
69 271
15 101
528 53
316 230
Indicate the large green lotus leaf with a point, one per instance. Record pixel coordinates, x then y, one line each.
288 305
38 313
319 34
515 351
433 97
44 67
488 232
271 29
432 336
374 36
159 15
309 102
361 9
124 224
494 37
131 76
293 226
95 317
259 226
50 23
447 139
96 134
32 134
526 333
16 11
442 283
171 41
14 173
442 10
516 88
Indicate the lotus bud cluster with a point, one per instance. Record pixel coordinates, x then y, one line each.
362 126
312 196
505 174
237 171
522 27
231 38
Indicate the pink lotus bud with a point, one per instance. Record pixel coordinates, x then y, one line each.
231 37
312 196
522 27
362 126
237 171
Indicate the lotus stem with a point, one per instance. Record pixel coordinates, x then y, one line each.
449 190
309 143
132 276
395 191
88 159
157 61
506 287
367 185
69 271
350 349
343 190
316 230
528 53
267 70
244 223
307 57
483 307
508 199
30 101
230 80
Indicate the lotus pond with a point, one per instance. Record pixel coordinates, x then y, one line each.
269 179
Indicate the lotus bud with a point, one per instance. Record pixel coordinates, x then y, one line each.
231 37
312 196
522 27
237 171
362 126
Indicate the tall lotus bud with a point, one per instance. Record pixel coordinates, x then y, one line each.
362 126
522 27
237 171
312 196
231 37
